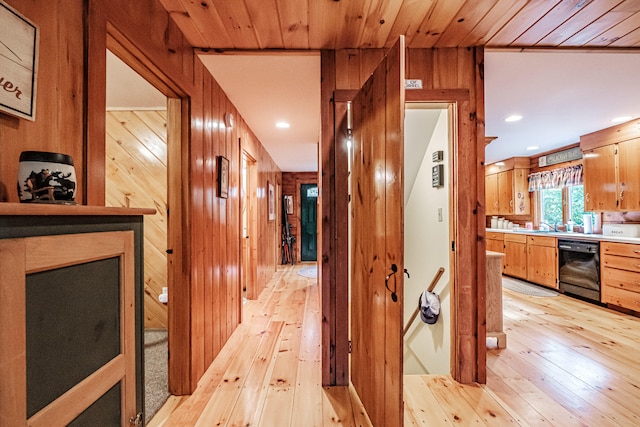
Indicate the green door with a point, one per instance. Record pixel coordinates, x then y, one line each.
308 227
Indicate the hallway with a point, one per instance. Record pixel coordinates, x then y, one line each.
268 374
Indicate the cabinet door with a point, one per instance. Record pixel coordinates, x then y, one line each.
491 194
542 265
600 179
495 245
521 192
515 260
70 301
505 192
629 175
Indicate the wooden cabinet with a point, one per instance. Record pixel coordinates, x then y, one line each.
507 188
629 175
599 171
492 194
515 260
611 173
542 260
620 275
71 282
495 241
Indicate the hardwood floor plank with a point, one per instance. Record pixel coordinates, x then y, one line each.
567 363
451 401
421 407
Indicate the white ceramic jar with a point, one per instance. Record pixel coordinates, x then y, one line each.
46 177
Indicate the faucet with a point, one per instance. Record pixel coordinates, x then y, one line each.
555 225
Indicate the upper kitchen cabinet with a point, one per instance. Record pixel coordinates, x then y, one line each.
507 188
611 173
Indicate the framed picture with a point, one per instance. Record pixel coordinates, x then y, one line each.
223 177
288 202
18 62
272 201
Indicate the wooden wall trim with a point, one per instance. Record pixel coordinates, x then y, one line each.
327 215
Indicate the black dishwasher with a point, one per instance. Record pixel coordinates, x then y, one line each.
579 268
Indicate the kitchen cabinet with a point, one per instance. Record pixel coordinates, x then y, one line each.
629 175
620 275
492 194
495 241
599 172
71 280
542 260
507 188
610 169
515 260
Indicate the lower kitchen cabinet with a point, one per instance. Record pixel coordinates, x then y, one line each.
620 276
495 241
515 259
542 261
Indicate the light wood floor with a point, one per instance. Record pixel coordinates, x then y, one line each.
567 363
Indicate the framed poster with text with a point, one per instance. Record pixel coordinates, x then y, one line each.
18 63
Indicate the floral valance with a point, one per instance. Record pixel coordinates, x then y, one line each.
556 178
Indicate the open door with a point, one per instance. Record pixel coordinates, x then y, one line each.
378 242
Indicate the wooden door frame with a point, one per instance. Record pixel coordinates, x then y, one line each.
102 36
468 293
298 212
252 172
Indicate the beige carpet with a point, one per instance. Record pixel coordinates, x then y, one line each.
156 371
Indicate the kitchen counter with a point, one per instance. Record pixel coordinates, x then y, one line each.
567 235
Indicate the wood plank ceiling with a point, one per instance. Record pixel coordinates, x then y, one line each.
338 24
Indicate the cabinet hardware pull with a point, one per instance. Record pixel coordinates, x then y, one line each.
637 251
586 196
621 198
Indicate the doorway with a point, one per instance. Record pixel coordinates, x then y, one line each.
308 222
248 201
427 195
136 147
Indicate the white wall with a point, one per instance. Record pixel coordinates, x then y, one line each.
427 347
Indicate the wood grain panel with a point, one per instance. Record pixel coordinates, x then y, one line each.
311 24
377 240
59 109
137 177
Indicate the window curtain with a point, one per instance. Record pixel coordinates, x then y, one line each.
556 178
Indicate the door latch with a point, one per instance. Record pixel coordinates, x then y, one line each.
137 420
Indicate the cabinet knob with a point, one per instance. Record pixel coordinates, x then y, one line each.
586 197
621 198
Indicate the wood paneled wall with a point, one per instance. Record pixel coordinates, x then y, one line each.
448 75
205 304
58 126
291 182
136 165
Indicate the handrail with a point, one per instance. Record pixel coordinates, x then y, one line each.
429 289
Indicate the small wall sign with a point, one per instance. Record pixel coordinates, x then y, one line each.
18 63
413 84
437 176
560 157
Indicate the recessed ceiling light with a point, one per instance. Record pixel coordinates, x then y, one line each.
532 147
513 118
283 125
621 119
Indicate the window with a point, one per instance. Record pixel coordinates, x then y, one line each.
551 206
553 209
